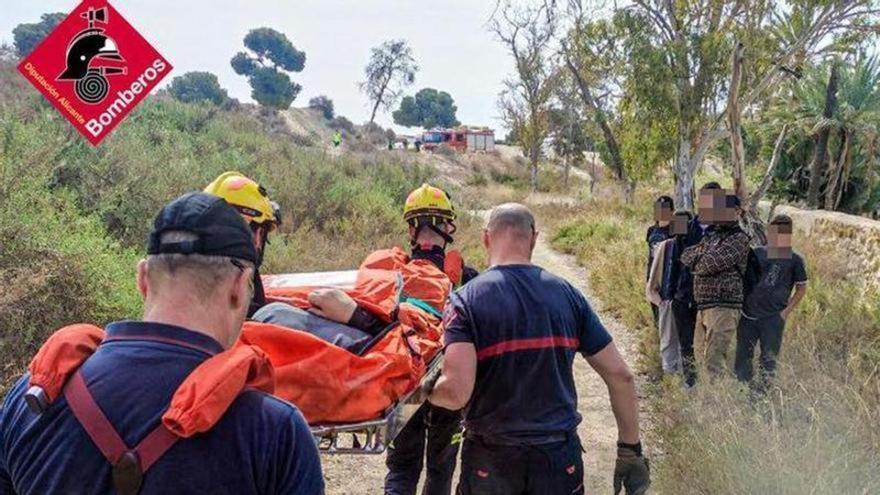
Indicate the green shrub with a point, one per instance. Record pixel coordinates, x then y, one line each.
74 219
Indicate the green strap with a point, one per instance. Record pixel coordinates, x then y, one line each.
422 305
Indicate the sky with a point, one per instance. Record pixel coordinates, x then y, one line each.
451 43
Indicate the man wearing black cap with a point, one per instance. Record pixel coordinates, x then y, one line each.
196 287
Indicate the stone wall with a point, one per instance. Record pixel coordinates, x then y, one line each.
858 238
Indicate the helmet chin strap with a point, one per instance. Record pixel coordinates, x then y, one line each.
261 238
437 230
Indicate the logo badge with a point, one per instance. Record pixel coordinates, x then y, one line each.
94 68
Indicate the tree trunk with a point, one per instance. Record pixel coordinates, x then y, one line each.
835 175
533 166
593 177
375 108
382 90
762 189
629 191
817 166
566 170
737 152
684 175
599 117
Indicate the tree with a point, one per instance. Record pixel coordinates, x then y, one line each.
820 154
697 39
271 56
590 58
391 69
526 32
195 87
430 108
835 114
324 104
570 141
27 36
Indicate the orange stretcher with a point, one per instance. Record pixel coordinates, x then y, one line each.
358 402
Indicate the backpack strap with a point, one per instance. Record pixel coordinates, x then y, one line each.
129 465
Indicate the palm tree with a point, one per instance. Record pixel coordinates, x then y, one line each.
840 114
857 119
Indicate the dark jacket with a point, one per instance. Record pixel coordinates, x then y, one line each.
655 235
671 269
684 292
718 263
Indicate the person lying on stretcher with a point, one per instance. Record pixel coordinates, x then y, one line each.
336 317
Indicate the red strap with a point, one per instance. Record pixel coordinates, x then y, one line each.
104 435
154 446
92 419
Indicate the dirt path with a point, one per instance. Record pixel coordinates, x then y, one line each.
598 431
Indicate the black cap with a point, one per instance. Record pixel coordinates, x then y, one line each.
220 229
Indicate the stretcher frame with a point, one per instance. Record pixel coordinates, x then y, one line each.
373 437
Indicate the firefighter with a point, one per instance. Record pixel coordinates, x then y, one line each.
433 433
108 435
511 339
261 214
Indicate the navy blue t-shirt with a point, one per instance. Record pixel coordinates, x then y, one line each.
261 445
527 326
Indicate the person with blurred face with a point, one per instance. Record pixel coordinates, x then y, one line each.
661 290
770 304
718 264
656 234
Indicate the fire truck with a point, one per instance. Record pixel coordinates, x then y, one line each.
460 139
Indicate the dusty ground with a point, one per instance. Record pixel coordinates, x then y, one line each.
350 475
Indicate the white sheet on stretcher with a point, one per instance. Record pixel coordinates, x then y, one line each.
341 279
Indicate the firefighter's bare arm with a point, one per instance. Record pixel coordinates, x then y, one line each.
453 389
621 389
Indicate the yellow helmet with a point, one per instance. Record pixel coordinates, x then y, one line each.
428 202
248 197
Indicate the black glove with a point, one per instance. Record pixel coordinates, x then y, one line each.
631 471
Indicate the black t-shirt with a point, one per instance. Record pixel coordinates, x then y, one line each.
778 278
527 326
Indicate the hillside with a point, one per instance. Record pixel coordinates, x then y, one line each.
309 124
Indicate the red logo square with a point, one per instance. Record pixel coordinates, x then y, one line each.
94 68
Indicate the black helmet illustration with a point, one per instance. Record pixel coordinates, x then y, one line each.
88 46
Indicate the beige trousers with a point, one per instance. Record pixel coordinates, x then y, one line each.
716 328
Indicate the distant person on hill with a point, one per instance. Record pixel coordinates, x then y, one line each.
512 335
770 304
661 291
718 264
261 214
656 234
337 139
107 431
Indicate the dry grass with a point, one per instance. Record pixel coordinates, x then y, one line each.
818 431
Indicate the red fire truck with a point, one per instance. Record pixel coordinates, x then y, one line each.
460 139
